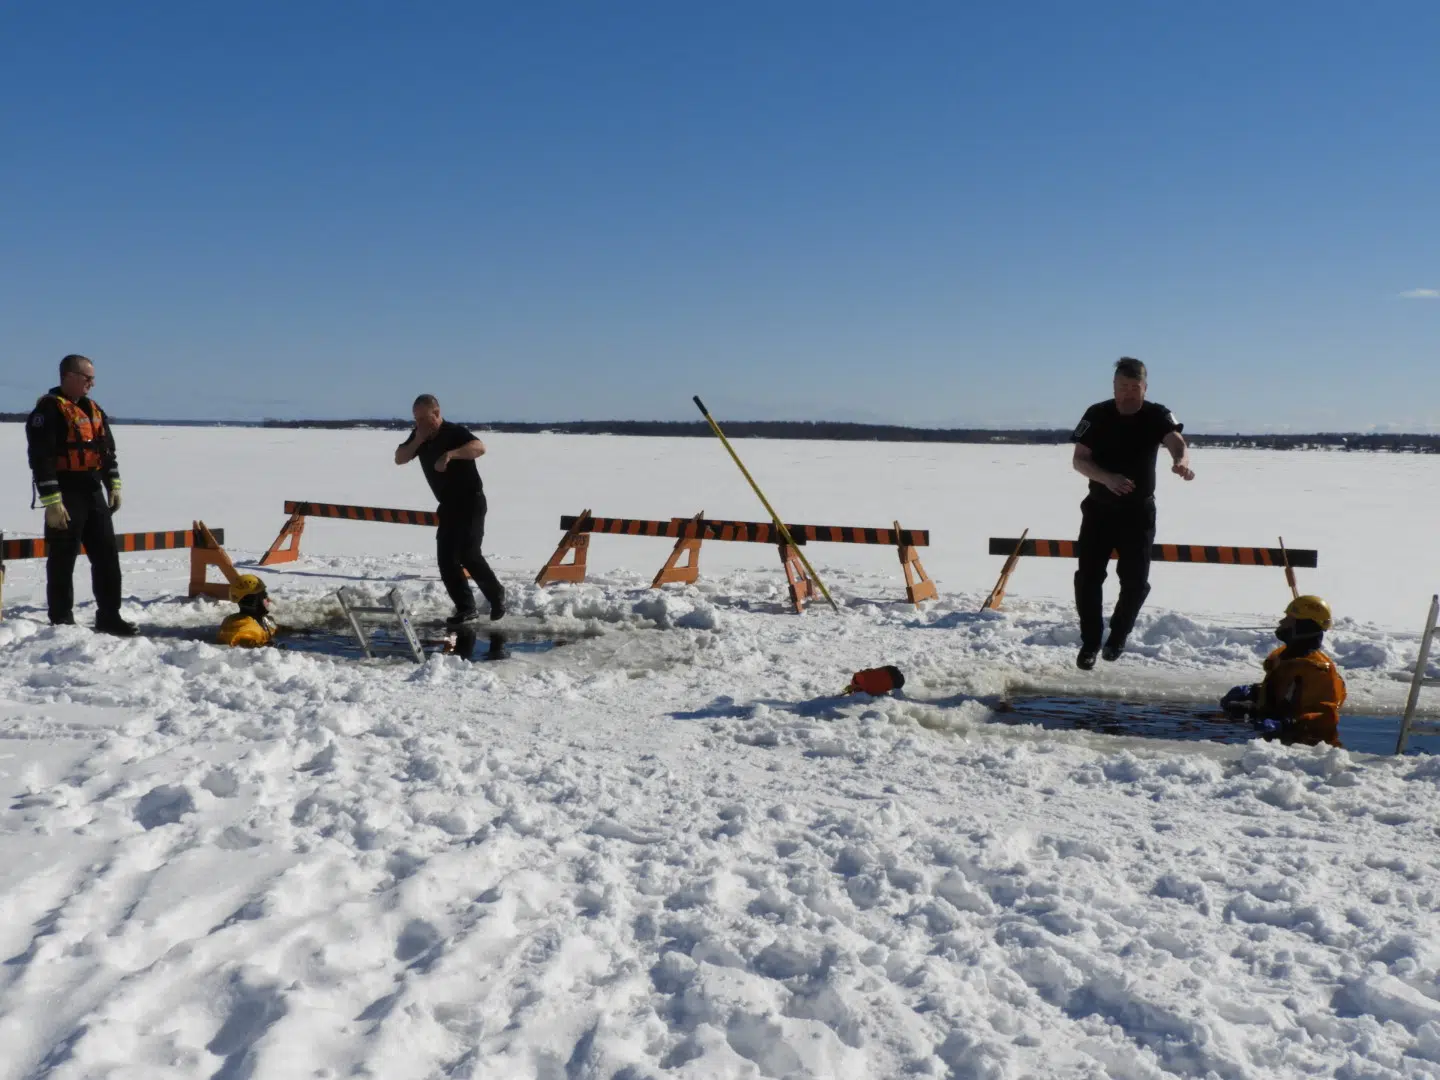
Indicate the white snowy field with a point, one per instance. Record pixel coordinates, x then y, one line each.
667 848
1369 516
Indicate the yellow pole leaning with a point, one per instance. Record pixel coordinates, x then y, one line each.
779 524
1289 571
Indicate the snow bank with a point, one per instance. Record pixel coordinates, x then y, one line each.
669 847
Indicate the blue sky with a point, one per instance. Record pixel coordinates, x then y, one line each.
926 213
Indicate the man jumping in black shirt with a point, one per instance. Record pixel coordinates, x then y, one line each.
447 454
1116 444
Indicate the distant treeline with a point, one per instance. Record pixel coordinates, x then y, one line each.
837 431
848 432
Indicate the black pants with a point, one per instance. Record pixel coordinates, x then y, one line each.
1129 531
89 510
457 548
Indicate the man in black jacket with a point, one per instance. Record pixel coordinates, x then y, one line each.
1116 444
72 460
447 454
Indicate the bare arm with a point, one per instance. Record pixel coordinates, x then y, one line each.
406 451
1084 463
469 452
1180 454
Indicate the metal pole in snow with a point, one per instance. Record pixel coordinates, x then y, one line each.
779 524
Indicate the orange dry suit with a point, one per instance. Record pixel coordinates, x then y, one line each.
247 631
1304 692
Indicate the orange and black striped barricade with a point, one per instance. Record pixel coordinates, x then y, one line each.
568 562
286 547
204 545
1224 555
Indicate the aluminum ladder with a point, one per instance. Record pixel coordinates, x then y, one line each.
362 616
1408 725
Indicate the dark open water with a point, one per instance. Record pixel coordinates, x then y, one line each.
1192 721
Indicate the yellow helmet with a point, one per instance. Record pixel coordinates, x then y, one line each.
245 585
1312 608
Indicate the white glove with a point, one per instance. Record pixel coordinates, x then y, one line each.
57 517
114 500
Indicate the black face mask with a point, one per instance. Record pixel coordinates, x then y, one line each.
254 605
1302 632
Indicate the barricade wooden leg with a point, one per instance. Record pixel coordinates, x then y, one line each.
205 553
576 540
674 572
290 532
997 594
801 587
918 585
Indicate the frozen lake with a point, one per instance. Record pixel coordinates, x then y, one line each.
1367 514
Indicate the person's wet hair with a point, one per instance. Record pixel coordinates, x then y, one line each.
1127 367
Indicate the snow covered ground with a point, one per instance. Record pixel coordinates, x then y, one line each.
668 848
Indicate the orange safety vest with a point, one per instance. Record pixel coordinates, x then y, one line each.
84 430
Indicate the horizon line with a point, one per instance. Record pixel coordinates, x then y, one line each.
701 427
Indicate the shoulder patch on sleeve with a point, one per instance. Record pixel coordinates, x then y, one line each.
1081 429
1170 416
37 420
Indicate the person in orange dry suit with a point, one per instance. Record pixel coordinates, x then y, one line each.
251 627
1299 700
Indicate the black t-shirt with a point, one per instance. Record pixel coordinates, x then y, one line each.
459 484
1126 445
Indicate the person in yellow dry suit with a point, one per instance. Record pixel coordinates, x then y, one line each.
1299 700
251 626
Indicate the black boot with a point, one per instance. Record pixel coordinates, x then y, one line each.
115 626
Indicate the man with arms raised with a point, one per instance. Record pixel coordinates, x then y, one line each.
447 454
1116 444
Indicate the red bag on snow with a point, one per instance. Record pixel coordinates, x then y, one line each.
876 681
